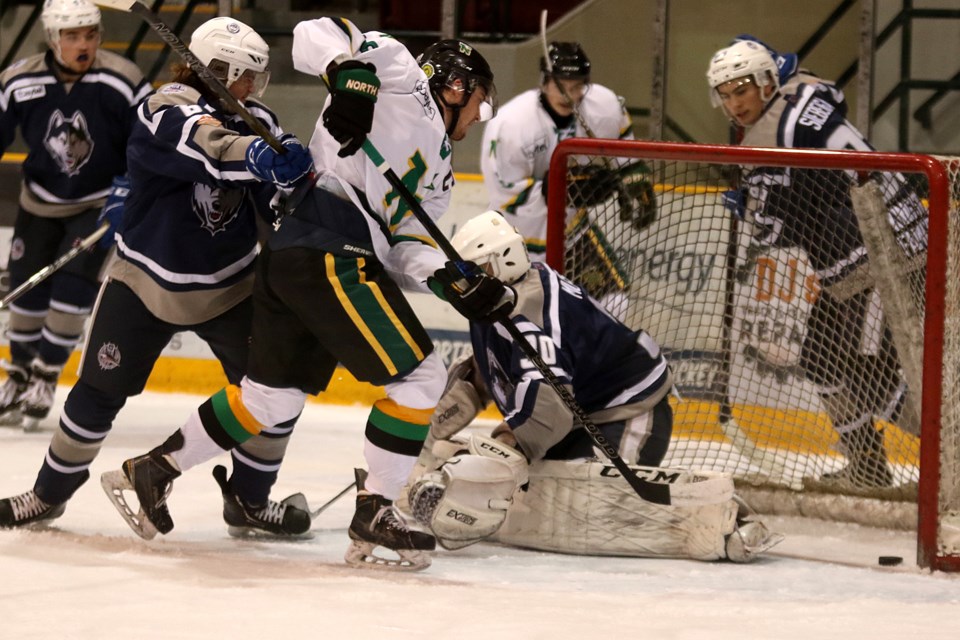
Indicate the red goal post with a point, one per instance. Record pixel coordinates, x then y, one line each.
713 339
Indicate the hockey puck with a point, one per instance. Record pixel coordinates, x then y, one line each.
889 561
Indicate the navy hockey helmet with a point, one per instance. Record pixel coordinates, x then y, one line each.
454 64
566 60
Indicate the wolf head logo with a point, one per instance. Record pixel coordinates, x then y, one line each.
68 141
216 208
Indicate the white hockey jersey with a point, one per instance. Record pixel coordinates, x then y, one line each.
518 144
409 133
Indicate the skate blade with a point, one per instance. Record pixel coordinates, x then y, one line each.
361 555
253 533
30 425
114 483
11 419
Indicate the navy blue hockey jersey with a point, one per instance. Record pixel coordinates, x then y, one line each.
607 364
76 134
809 208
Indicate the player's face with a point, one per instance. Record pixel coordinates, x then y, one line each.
243 87
742 100
563 94
470 114
78 47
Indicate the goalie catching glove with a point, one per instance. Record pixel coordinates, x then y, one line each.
466 499
354 87
591 185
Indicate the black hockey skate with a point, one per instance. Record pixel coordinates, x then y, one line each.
377 523
11 393
867 466
28 509
151 477
289 518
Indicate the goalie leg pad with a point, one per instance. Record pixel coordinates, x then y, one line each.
465 501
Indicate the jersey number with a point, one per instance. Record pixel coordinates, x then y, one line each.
545 346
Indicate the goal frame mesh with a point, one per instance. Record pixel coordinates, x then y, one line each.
928 521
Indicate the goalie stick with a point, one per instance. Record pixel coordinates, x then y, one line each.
649 491
55 266
213 82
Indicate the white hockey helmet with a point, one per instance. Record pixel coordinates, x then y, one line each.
493 244
66 14
230 49
739 61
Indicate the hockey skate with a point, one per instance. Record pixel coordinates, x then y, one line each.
750 537
289 518
28 509
377 523
11 393
867 466
38 396
151 477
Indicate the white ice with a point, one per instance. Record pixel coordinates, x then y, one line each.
89 576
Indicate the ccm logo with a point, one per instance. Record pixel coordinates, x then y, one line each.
461 517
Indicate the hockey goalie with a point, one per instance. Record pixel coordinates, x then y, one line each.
537 481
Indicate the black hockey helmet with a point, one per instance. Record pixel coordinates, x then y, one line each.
454 64
567 60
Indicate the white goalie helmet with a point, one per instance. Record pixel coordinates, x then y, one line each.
230 49
494 245
742 60
66 14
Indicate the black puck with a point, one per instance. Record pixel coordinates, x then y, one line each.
889 561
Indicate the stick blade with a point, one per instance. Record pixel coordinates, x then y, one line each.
122 5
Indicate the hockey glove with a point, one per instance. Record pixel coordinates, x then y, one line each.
734 200
589 185
478 297
282 169
112 212
638 201
353 92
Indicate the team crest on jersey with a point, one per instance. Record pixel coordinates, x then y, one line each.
68 141
108 357
216 208
422 93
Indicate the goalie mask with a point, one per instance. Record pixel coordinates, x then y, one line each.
454 64
232 50
747 62
494 245
58 15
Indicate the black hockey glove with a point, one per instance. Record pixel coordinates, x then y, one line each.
353 92
638 200
588 185
478 297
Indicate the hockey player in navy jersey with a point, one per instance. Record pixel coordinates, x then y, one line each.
850 358
186 246
328 288
465 488
73 105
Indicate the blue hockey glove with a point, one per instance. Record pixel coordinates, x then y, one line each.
282 169
353 92
112 212
734 200
478 297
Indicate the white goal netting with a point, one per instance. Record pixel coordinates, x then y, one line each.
788 290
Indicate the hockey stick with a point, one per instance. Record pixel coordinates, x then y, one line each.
55 266
315 512
206 76
549 64
649 491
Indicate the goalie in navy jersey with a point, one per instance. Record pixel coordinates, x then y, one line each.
187 244
848 351
538 480
74 108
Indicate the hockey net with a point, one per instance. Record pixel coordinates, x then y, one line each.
768 358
